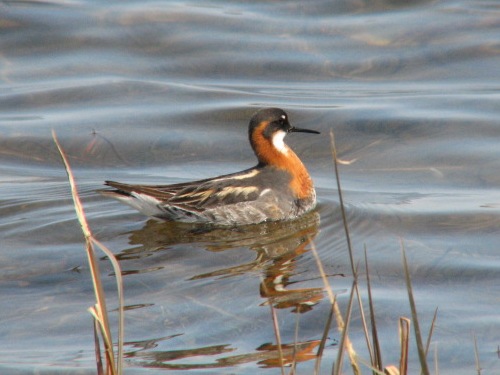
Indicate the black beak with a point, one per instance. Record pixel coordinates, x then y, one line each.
300 130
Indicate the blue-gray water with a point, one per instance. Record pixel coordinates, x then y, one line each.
162 91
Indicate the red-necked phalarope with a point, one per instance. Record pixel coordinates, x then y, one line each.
277 188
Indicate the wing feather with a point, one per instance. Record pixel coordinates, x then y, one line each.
198 196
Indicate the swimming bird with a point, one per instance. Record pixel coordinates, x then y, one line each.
277 188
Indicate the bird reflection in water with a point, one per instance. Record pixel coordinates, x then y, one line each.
266 355
278 245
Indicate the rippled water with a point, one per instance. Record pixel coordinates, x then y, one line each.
162 91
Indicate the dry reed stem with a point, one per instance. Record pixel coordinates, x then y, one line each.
97 347
337 313
295 340
341 201
345 339
431 331
369 366
99 311
377 353
436 360
321 346
476 355
404 339
365 326
363 321
416 325
119 288
349 243
349 247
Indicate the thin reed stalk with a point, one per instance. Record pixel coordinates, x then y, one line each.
349 244
99 310
337 369
404 340
341 201
295 340
377 353
341 326
476 355
431 331
321 346
436 360
374 350
340 323
416 325
97 347
365 326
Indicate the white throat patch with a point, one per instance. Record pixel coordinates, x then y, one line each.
278 142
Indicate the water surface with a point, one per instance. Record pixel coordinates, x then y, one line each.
162 92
